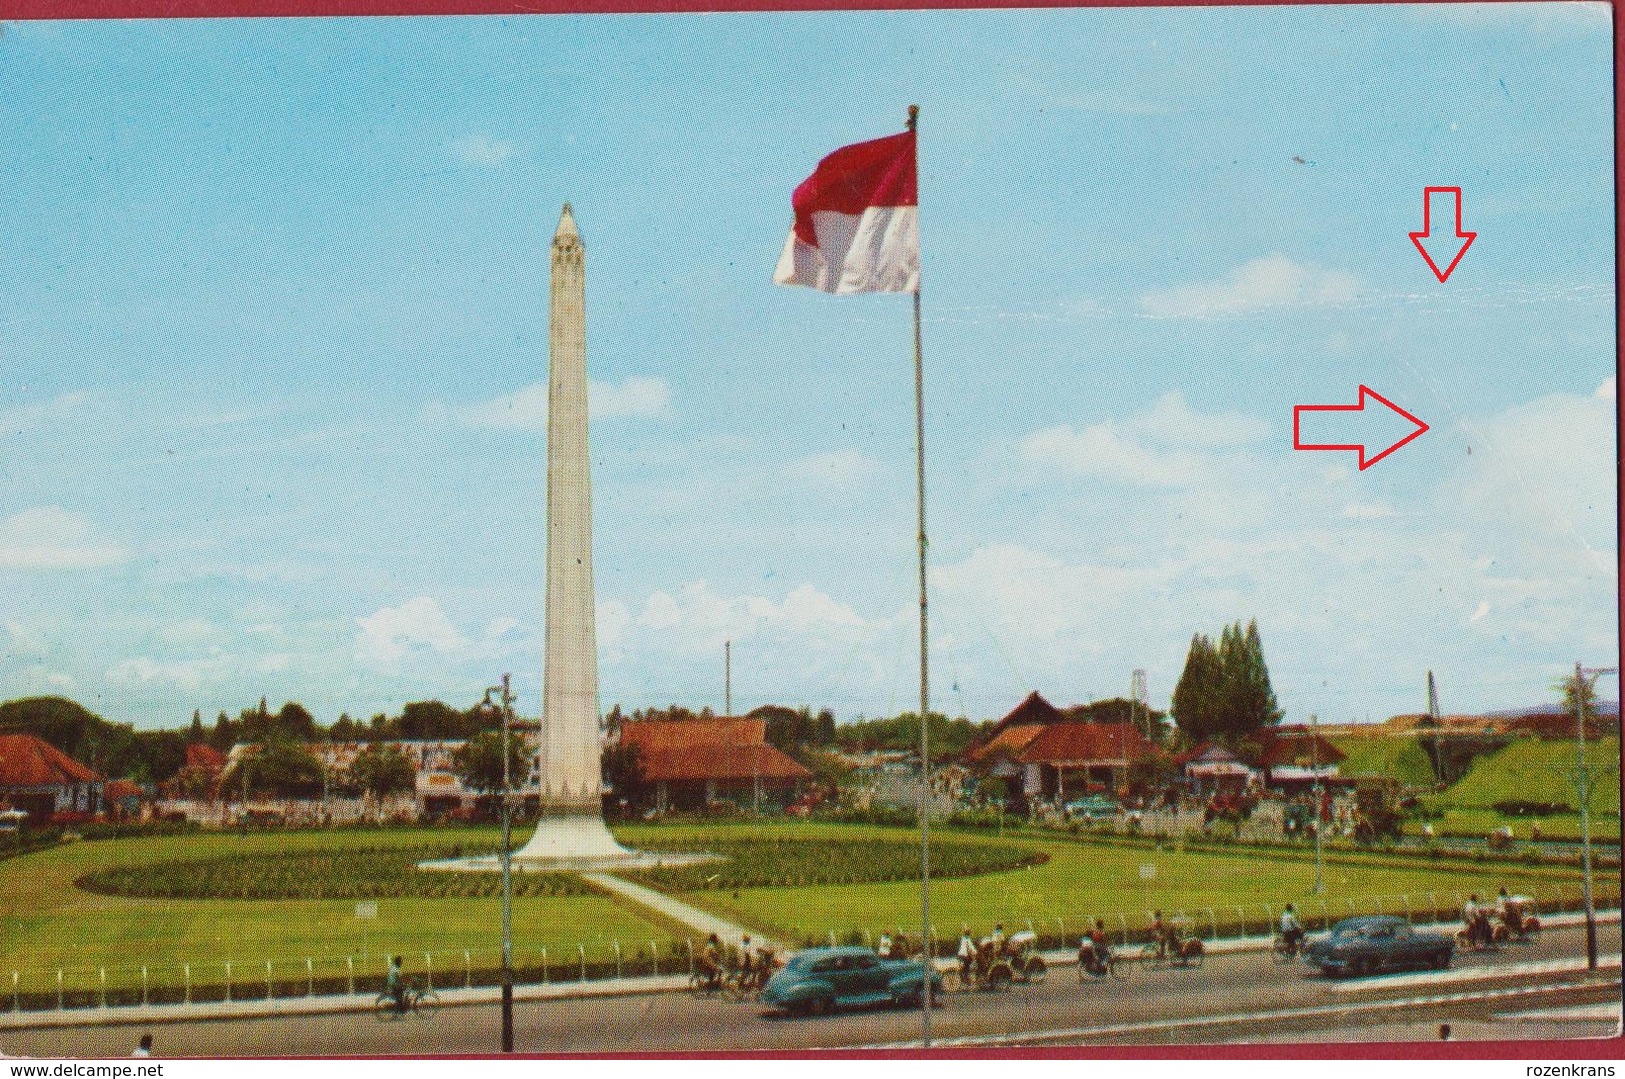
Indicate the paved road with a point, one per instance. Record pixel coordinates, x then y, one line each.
1152 1006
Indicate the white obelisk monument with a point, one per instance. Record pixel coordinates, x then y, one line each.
572 826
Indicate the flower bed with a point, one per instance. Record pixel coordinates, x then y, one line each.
781 861
365 873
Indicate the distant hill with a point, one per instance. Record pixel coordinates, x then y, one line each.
1609 709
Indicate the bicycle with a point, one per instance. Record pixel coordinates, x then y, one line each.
1116 966
1185 952
1284 953
422 1003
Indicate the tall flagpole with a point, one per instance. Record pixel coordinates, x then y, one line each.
927 958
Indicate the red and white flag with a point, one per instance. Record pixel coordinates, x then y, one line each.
857 225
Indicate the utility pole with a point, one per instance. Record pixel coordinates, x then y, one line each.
1582 782
1314 751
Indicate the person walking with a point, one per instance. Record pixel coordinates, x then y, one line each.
144 1048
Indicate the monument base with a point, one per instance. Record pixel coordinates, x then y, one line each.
575 842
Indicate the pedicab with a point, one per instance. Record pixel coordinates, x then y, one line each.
1021 952
989 970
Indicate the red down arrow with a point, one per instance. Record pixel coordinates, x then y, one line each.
1365 462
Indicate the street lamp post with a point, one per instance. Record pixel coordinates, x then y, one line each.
1314 751
1582 782
507 699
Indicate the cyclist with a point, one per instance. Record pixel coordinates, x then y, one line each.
747 959
1094 951
967 955
395 985
998 938
1472 918
1291 930
1162 932
711 960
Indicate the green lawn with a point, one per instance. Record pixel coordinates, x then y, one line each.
1481 822
48 923
1532 770
1393 758
1087 880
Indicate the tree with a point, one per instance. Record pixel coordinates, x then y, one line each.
1578 693
1258 707
1196 696
281 767
381 770
223 735
435 720
1224 693
478 762
295 721
623 772
824 732
196 733
345 729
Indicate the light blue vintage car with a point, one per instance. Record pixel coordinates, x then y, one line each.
820 980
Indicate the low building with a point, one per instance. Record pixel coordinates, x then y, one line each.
1213 769
45 782
1040 753
699 763
1294 758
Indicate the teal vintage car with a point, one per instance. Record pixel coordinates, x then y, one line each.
820 980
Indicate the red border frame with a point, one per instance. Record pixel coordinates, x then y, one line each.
1591 1049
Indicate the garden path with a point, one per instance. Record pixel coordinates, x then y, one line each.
695 918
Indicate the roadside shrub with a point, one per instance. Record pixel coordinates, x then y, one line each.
1518 808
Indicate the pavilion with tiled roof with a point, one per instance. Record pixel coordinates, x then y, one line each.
43 781
1043 754
693 763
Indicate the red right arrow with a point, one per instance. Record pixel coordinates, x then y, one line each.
1365 462
1444 244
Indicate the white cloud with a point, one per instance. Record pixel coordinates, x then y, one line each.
1118 451
389 634
186 674
1607 390
1368 511
1546 470
1103 452
634 396
526 409
20 418
1478 615
836 469
50 537
1173 422
697 619
483 150
1270 282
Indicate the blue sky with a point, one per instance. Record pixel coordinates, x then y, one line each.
272 312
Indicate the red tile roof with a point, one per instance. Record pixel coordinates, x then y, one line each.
30 761
719 763
1297 747
654 735
1075 742
1009 742
722 748
1033 709
199 755
119 789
